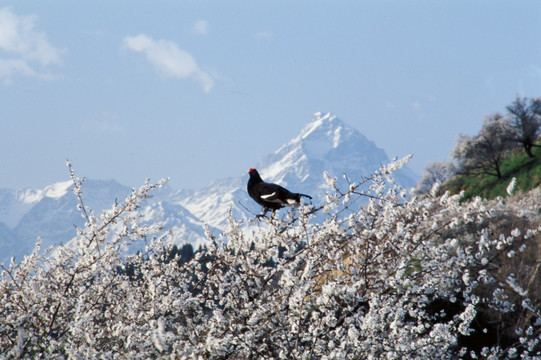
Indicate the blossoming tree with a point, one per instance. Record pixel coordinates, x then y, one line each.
385 274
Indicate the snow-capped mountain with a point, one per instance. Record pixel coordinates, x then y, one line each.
324 144
52 214
27 214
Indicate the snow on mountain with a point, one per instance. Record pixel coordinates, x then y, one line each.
213 203
176 219
324 144
15 203
51 213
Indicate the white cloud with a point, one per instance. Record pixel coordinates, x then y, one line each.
169 59
9 67
201 27
25 45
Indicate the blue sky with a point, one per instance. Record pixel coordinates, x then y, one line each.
200 90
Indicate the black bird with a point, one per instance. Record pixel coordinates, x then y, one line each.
271 196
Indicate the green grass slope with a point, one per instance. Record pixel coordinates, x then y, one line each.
526 170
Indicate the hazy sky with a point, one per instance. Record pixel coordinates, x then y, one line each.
202 90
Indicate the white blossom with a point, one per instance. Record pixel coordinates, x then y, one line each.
398 277
511 187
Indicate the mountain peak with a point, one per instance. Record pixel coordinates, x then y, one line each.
324 144
320 123
323 134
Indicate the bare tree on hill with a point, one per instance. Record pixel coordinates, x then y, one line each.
525 115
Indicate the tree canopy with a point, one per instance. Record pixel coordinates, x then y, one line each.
485 151
384 274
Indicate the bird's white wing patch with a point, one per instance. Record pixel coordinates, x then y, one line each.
291 201
265 197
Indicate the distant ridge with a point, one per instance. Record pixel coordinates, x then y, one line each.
325 144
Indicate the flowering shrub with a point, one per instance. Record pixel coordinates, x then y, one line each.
385 274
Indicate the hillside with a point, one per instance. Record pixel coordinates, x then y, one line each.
517 165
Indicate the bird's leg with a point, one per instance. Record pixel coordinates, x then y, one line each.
265 210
